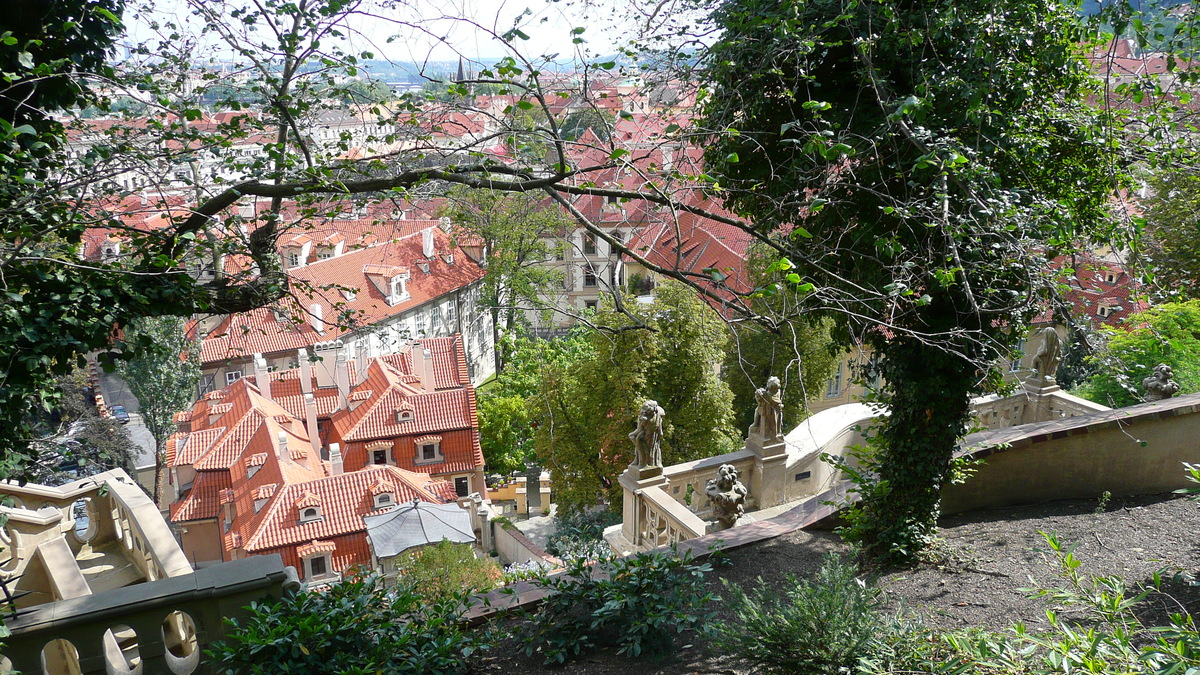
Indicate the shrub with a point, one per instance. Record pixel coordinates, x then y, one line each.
353 628
637 604
447 569
581 534
818 626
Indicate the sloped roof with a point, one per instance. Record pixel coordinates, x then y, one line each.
344 500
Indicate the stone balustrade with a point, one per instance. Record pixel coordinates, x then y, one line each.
156 627
665 521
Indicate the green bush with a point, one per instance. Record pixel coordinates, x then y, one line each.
447 570
818 626
580 534
637 604
355 628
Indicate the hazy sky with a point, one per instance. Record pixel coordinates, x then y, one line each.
443 29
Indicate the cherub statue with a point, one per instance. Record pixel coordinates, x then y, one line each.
1160 385
647 435
768 416
727 494
1049 353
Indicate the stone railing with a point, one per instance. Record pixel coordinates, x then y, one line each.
1030 405
665 521
156 627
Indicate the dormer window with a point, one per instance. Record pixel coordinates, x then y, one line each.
403 416
349 294
1104 311
424 267
384 500
309 508
293 258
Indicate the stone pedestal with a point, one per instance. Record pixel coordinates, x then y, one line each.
633 481
1038 408
768 479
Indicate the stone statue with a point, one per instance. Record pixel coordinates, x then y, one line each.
768 416
1049 353
1160 385
727 494
647 435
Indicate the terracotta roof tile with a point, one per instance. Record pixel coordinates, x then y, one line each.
315 547
346 498
202 501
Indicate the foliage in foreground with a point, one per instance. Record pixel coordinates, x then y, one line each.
1168 333
637 604
354 628
819 626
831 624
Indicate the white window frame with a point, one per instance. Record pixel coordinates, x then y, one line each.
310 575
232 376
437 452
384 500
305 517
834 388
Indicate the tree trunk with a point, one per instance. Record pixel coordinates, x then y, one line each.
929 392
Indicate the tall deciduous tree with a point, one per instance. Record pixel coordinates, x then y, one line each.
518 233
1173 238
506 431
584 413
907 161
162 375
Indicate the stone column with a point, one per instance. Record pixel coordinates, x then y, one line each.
767 480
633 481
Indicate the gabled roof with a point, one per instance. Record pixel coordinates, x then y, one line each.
261 331
345 499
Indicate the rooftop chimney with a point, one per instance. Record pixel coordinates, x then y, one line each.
343 378
335 459
427 242
310 421
360 363
305 371
318 324
326 364
261 377
424 368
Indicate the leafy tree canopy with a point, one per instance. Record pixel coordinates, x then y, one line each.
906 162
584 413
1168 333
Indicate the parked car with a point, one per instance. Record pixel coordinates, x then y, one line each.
119 414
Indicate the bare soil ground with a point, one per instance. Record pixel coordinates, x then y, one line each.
973 579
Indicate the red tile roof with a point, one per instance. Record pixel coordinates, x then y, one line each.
261 331
345 499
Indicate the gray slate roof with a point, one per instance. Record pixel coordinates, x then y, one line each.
416 524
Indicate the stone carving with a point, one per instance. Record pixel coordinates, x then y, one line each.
647 435
1049 353
768 416
727 494
1160 385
